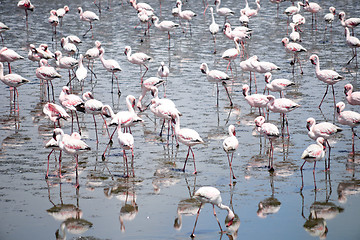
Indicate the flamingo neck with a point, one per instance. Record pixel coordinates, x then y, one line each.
1 71
317 67
112 114
231 214
177 124
212 17
129 105
347 32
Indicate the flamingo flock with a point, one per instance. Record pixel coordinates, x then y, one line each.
77 98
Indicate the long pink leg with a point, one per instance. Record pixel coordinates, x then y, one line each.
197 216
186 159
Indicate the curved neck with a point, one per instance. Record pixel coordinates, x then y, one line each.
212 17
156 22
317 67
129 105
177 124
107 107
347 32
231 214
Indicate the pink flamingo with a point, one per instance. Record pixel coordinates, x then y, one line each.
313 8
94 107
139 6
3 28
126 141
88 16
47 73
294 35
185 15
282 106
188 137
277 2
244 20
55 112
349 118
212 195
145 87
329 17
73 103
111 65
224 11
353 43
252 12
138 58
349 23
163 72
54 21
26 5
298 20
13 81
329 77
71 145
216 77
165 26
69 47
255 100
262 67
313 153
232 34
232 53
277 85
269 131
45 52
295 49
291 11
61 13
91 54
33 54
230 145
247 66
66 63
352 98
213 28
9 55
323 129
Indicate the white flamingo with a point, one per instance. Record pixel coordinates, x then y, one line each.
230 145
111 65
138 58
88 16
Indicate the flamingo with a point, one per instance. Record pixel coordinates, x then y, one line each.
232 34
295 49
145 87
138 58
144 18
26 5
73 103
294 36
277 85
230 145
349 118
353 43
65 62
91 54
277 2
61 13
323 129
269 131
88 16
44 51
252 12
291 11
329 77
186 136
155 92
247 66
217 77
212 195
13 81
163 72
9 55
33 54
213 28
111 65
139 6
73 146
47 73
165 26
298 20
224 11
69 47
94 107
352 98
54 21
329 17
232 53
244 20
282 106
55 112
349 23
262 66
255 100
3 28
126 141
313 153
313 8
81 71
185 15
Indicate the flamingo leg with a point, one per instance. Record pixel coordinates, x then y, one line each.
197 216
227 92
186 159
327 87
110 143
47 171
97 139
302 179
314 174
77 119
77 174
117 81
60 175
217 219
127 166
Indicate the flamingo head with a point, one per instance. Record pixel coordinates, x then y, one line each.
127 49
259 121
347 88
267 77
204 68
245 89
154 18
309 123
58 55
178 3
339 107
314 59
341 15
79 10
332 10
321 141
216 2
232 129
66 8
53 12
285 41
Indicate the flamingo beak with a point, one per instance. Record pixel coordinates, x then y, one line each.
308 126
312 61
230 223
345 91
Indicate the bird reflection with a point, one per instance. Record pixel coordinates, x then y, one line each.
270 205
69 214
346 188
232 225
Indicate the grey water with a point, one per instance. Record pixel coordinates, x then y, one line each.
155 203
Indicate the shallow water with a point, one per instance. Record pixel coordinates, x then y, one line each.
109 206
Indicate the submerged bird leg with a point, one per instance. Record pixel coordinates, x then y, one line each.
327 87
197 216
